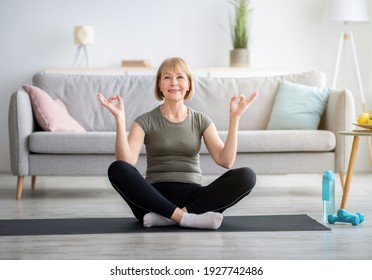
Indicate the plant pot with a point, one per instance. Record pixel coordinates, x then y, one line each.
239 58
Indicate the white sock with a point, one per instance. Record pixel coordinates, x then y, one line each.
152 219
208 220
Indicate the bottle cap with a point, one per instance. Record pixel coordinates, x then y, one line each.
328 175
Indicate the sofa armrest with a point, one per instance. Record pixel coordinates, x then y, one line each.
20 124
339 116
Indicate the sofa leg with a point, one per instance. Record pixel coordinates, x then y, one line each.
33 182
343 179
20 180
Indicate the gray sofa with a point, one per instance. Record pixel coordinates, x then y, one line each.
36 153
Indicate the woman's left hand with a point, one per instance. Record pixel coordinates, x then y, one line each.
239 104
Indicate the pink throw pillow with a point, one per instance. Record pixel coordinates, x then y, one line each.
51 115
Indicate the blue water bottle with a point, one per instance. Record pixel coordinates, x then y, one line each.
328 194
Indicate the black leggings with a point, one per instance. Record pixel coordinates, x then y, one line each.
164 197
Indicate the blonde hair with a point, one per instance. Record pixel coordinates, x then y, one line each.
171 64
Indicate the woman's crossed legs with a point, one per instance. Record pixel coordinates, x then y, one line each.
189 205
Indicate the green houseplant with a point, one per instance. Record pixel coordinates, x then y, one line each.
239 56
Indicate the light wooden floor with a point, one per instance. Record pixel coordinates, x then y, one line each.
69 197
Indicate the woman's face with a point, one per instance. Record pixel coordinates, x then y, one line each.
174 84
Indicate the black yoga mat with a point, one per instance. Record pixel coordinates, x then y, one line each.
20 227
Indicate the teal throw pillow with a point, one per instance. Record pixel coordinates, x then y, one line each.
298 106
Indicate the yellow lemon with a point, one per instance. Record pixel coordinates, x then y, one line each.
363 118
369 121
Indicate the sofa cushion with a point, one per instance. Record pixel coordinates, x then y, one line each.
212 96
267 141
256 141
51 115
73 143
298 106
77 89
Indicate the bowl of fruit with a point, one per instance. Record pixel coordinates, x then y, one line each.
364 120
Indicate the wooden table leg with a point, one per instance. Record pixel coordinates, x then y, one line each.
350 170
370 149
342 179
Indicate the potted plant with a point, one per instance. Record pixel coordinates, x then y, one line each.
239 55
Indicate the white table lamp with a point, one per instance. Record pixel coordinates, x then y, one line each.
348 11
83 36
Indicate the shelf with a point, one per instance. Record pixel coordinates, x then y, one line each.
213 72
103 71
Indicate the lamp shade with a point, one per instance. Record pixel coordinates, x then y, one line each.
347 10
84 35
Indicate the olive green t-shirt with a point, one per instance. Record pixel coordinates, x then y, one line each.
173 148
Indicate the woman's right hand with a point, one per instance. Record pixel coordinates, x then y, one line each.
127 148
116 108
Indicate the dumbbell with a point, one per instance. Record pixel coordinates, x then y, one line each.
345 217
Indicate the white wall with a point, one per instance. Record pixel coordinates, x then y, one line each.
286 34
